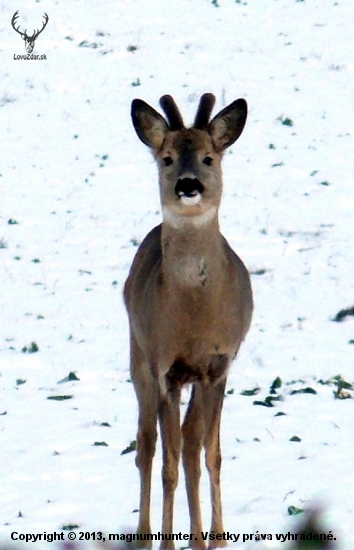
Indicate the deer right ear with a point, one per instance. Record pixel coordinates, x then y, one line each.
149 125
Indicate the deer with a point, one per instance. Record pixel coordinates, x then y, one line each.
189 302
29 40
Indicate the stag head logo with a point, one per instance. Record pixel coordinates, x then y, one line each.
29 40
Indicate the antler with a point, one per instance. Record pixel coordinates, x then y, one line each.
205 107
36 34
13 21
174 117
24 34
172 112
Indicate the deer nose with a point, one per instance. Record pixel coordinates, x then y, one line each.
189 190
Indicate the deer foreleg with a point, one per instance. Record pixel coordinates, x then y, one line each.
193 437
213 398
147 394
169 417
145 452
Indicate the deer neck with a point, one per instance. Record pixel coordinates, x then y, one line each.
192 254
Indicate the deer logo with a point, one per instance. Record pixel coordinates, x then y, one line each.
29 40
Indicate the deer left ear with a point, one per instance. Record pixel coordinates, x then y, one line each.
226 127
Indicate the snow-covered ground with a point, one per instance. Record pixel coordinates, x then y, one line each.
78 191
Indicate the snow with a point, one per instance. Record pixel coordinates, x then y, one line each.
83 192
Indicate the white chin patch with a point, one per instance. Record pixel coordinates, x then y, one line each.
180 221
191 201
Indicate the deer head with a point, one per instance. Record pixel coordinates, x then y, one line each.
29 40
189 159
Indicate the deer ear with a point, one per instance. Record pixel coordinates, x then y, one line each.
149 125
226 127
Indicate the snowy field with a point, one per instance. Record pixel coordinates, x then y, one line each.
79 192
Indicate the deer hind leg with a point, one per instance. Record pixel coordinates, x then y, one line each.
147 395
169 417
213 398
193 431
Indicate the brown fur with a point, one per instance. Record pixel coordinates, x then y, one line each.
189 302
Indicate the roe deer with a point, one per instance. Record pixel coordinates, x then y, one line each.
189 302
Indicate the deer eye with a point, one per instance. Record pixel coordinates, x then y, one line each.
167 161
208 161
